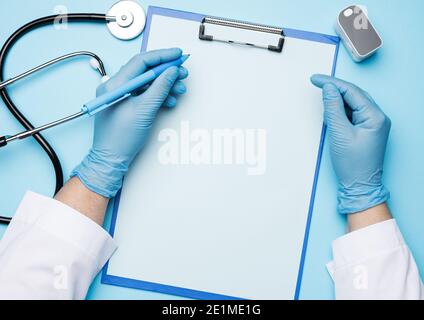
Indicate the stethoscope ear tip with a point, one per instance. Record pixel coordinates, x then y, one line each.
94 64
127 20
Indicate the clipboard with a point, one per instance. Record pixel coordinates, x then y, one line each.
154 225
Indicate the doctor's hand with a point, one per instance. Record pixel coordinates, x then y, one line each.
357 147
121 131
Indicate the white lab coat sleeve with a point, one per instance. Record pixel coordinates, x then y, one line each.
374 264
51 251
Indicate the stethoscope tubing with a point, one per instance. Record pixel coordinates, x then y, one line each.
14 110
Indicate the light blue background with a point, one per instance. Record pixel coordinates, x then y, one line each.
393 77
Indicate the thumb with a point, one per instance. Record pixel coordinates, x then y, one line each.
334 108
159 90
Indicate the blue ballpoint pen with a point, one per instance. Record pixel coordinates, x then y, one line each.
104 101
114 96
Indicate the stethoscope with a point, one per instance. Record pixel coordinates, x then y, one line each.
125 20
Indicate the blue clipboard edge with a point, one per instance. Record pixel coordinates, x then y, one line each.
317 170
194 294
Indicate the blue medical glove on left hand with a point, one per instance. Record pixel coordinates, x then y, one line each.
121 131
358 147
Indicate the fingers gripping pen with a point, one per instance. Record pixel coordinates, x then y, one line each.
104 101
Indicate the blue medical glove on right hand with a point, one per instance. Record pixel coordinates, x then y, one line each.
120 132
358 147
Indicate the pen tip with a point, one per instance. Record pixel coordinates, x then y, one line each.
185 57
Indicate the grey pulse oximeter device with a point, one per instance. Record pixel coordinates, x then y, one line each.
358 33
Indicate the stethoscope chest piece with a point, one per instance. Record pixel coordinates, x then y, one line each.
129 20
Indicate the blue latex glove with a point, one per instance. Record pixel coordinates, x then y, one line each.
121 132
358 147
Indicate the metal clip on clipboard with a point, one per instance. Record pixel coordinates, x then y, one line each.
242 25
